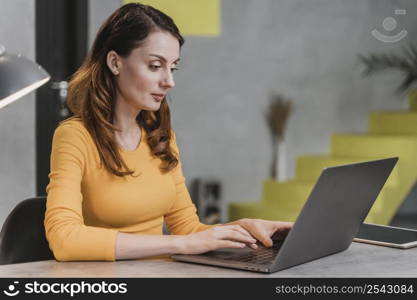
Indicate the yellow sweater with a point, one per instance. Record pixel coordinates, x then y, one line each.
87 205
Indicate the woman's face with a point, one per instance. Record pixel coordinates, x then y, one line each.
144 77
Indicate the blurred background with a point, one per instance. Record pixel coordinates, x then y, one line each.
302 52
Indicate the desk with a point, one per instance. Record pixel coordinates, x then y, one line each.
360 260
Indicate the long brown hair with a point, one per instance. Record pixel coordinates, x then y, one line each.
92 89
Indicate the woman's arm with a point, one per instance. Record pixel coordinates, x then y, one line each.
130 246
237 234
68 236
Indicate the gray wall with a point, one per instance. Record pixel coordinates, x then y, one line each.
17 121
305 49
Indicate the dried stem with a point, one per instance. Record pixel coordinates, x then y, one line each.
276 117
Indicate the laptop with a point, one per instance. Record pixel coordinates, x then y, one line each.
327 224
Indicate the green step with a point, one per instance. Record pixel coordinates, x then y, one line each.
375 146
290 194
280 201
390 136
386 205
260 210
284 201
395 122
309 167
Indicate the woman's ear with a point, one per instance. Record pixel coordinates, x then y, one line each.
113 62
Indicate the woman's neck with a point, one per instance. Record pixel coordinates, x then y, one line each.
125 117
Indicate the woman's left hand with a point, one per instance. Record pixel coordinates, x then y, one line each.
263 230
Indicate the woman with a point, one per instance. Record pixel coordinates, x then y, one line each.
115 169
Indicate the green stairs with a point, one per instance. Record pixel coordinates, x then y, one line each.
390 134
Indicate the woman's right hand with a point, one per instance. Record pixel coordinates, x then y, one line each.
222 236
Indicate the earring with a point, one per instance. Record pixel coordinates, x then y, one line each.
115 72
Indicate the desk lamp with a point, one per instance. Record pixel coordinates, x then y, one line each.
18 76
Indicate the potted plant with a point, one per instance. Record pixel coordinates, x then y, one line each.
276 118
406 63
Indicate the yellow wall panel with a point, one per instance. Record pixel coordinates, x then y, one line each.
193 17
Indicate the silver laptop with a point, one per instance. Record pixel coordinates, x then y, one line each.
327 224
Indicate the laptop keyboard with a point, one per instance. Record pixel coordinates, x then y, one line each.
261 255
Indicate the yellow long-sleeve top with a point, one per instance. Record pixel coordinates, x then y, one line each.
87 205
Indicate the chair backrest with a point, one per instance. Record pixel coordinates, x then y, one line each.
22 237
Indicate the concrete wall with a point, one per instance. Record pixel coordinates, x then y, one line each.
17 121
305 49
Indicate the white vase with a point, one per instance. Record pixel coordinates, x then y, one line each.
281 165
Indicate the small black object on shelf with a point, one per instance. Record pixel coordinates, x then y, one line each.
206 195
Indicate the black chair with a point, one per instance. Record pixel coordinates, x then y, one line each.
22 237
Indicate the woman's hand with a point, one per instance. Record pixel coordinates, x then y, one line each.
266 231
224 236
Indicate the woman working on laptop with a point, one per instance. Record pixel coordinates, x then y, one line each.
115 167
